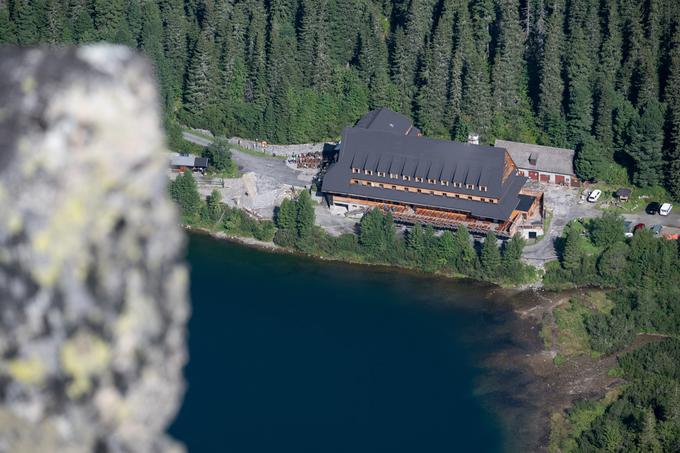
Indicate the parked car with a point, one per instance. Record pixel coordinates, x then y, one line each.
628 229
665 209
639 226
656 229
594 195
652 208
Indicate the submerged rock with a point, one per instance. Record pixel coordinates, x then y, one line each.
93 293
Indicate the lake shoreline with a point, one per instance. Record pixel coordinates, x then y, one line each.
550 388
273 248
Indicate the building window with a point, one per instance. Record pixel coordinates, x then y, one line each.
483 188
456 184
369 172
469 197
355 170
354 181
431 181
394 187
445 183
407 178
469 186
420 191
382 186
393 175
419 179
381 173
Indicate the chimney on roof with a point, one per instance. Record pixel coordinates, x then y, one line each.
473 139
533 157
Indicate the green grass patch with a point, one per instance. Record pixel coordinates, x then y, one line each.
615 372
640 197
572 337
559 359
599 301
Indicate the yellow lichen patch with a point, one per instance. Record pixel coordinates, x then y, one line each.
59 242
28 85
83 357
14 223
26 371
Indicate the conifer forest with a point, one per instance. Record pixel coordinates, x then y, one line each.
600 76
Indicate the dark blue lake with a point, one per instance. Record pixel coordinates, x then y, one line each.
289 354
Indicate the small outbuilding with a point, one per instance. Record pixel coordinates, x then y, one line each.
181 162
545 164
623 194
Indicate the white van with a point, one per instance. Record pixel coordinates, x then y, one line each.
594 195
665 209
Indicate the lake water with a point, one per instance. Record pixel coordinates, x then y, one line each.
289 354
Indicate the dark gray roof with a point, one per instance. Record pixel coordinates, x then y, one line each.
525 202
427 158
387 121
548 159
201 162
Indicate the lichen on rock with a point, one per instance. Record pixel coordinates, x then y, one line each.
93 292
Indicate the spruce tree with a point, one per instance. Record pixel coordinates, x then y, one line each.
590 161
81 21
371 231
507 75
55 31
645 147
108 18
490 256
25 22
610 59
551 88
415 241
573 250
476 97
150 41
446 248
672 99
286 216
434 76
465 257
579 66
174 44
305 216
408 47
199 84
7 34
512 266
184 192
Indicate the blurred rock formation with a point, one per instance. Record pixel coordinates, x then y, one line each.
93 292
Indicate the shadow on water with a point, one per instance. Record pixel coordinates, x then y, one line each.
289 354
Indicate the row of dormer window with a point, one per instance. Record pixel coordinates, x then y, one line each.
418 190
383 174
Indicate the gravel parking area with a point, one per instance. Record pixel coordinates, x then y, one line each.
565 204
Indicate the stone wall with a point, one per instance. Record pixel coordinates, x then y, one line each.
93 293
277 150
